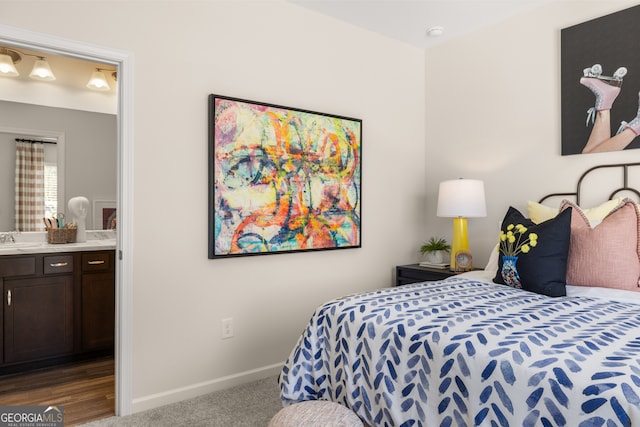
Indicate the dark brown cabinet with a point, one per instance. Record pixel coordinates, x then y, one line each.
98 301
13 266
38 318
57 307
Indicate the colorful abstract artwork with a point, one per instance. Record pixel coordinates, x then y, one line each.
281 179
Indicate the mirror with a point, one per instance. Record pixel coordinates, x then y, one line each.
82 122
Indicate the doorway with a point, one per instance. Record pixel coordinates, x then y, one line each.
18 38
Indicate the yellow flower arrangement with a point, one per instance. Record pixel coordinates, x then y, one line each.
514 241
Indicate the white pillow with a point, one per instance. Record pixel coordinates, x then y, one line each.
492 264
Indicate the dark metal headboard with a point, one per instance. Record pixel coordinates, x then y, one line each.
625 182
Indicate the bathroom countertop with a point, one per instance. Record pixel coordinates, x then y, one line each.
40 248
36 243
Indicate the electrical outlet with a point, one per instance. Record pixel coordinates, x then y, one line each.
227 328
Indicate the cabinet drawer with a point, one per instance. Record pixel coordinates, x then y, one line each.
58 264
17 266
96 261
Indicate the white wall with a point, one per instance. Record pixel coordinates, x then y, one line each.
269 51
497 118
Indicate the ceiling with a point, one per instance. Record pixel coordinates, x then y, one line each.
403 20
409 20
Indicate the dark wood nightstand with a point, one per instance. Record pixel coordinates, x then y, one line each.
413 273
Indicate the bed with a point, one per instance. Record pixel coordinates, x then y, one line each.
558 346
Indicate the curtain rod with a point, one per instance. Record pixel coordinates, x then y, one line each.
35 141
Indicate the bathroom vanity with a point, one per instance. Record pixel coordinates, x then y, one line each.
58 303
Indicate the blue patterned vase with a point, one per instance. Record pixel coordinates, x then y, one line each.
510 271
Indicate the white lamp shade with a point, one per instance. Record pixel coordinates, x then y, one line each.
461 198
98 81
42 71
7 68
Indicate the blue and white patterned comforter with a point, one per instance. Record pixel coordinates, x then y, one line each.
463 353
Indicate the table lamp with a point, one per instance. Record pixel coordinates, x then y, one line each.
461 199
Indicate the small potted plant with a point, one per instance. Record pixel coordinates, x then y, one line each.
436 251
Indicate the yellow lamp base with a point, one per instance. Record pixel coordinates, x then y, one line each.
459 242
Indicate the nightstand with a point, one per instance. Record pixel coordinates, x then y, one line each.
413 273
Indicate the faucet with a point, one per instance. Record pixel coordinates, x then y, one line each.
7 237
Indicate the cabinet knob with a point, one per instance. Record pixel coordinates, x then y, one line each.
98 262
9 298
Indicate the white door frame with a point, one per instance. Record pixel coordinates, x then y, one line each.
18 37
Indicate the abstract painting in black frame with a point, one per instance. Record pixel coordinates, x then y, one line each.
281 179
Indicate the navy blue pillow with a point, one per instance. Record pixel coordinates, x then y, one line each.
533 256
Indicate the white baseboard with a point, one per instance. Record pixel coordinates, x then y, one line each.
194 390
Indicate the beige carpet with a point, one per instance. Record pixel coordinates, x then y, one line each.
250 405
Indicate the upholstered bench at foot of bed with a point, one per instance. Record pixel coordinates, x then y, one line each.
315 413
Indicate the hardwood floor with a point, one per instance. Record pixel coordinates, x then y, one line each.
86 390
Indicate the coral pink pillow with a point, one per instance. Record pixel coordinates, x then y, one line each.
607 255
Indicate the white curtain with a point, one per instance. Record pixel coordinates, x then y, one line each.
29 186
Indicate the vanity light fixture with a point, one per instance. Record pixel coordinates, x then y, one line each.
98 81
8 59
41 70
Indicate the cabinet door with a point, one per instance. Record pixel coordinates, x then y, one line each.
98 311
4 303
38 318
